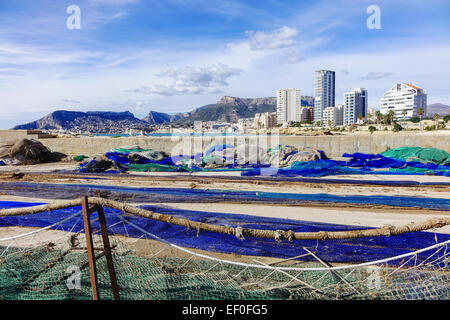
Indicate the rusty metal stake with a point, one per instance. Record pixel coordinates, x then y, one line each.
91 250
108 255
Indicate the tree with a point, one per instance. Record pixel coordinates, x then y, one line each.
404 113
379 116
420 112
389 117
436 117
360 117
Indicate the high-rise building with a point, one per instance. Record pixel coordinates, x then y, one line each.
333 116
371 114
288 101
265 120
305 114
355 105
404 99
324 91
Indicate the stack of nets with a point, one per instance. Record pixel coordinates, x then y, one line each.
51 263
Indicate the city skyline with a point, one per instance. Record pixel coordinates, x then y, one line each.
175 56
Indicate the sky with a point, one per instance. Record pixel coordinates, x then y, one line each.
176 55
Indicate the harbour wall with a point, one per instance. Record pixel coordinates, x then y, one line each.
333 146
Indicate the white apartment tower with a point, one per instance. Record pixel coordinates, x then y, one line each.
355 105
288 101
333 116
324 92
404 99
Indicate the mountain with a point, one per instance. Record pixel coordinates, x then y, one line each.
438 108
231 109
93 122
227 109
155 117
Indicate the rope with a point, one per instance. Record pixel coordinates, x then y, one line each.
40 230
277 235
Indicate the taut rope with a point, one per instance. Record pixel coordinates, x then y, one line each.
239 232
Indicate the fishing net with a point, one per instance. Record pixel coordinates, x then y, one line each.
52 263
423 155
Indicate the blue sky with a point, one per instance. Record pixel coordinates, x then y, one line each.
176 55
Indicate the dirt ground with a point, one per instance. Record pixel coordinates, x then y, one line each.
347 214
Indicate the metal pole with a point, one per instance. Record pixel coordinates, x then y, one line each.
90 248
108 255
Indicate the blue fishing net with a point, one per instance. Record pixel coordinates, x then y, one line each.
180 195
123 160
347 250
359 163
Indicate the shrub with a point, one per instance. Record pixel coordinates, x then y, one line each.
447 118
397 127
372 129
415 120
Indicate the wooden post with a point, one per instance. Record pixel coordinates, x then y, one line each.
108 255
90 248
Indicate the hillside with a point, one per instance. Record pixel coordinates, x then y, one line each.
93 122
155 118
438 108
231 109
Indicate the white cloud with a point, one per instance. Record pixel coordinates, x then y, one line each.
279 38
375 75
11 54
68 100
296 57
119 16
192 80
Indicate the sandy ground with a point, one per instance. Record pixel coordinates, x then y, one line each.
345 216
227 181
351 215
43 167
